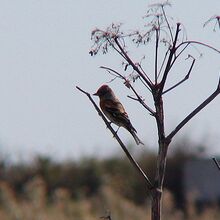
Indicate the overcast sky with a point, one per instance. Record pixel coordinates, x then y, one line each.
44 49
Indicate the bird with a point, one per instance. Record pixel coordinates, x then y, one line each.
115 111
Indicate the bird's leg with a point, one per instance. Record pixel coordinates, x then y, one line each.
109 124
116 132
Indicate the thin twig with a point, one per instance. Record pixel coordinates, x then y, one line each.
183 80
164 59
149 83
199 43
139 99
135 99
149 89
184 48
145 75
131 159
114 71
194 112
177 55
142 102
216 162
113 46
168 24
217 17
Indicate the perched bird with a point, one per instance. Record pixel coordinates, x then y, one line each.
114 110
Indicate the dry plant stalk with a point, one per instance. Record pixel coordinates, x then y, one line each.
172 40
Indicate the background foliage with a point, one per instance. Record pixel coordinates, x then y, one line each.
88 188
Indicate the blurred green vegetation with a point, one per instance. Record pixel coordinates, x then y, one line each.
47 182
85 177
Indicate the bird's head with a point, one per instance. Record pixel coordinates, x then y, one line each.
103 90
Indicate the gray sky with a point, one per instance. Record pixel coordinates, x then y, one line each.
44 49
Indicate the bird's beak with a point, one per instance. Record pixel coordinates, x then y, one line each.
96 94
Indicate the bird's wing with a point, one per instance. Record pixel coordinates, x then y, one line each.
113 107
115 111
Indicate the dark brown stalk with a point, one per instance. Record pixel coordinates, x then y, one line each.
156 56
161 159
162 141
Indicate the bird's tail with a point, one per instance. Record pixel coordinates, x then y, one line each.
136 138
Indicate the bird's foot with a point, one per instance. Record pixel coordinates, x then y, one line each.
109 124
116 132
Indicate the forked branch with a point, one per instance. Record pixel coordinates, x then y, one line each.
183 80
131 159
170 58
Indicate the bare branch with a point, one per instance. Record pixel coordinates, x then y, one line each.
199 43
149 83
146 76
179 53
139 99
216 162
183 80
131 159
164 59
194 112
111 70
217 22
113 46
169 61
167 22
135 99
145 84
142 102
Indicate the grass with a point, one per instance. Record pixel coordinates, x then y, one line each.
34 204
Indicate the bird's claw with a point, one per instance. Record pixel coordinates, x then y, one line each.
116 132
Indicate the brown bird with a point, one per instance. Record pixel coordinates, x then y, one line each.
114 110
